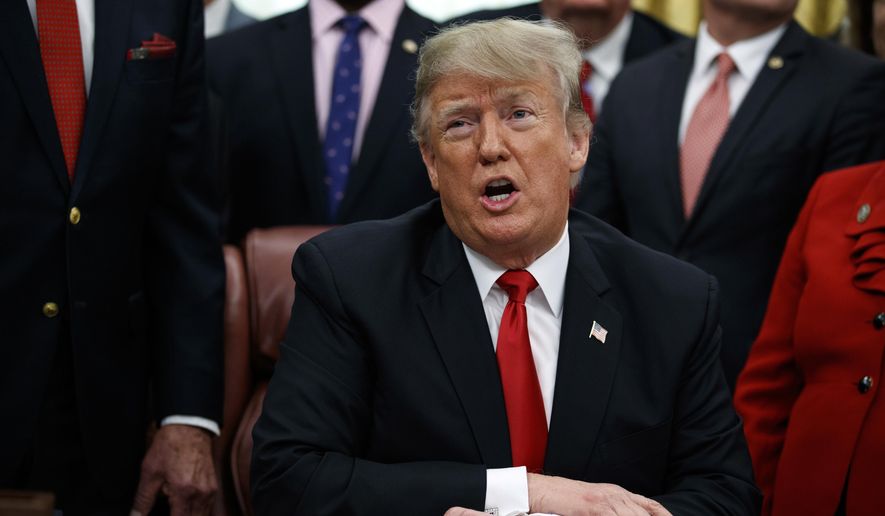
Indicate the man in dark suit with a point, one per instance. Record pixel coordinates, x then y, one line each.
612 35
712 163
110 268
277 79
448 356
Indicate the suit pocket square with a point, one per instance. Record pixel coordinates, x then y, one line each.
160 47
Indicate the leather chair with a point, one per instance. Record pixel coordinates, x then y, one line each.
268 261
238 379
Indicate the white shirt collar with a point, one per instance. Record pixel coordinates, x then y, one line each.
215 17
749 55
380 15
549 270
607 56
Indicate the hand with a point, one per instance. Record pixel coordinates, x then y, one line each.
179 462
557 495
461 511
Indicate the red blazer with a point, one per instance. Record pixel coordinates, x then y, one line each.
810 394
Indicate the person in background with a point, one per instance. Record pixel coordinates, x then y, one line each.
317 109
222 16
111 270
611 35
813 417
492 349
868 26
710 147
810 394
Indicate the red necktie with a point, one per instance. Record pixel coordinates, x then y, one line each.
586 99
522 392
704 133
63 64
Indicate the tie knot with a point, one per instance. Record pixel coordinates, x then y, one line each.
726 65
518 284
352 23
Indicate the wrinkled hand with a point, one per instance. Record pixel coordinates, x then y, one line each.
461 511
179 462
557 495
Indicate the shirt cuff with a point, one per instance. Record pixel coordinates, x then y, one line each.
199 422
507 491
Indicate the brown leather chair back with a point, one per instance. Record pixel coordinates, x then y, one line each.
268 254
238 381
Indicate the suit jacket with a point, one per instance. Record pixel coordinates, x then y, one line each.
646 36
387 398
264 74
810 394
821 110
139 277
237 18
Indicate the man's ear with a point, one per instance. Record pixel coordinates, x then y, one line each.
579 146
430 163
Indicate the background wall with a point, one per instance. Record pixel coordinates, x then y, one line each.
820 17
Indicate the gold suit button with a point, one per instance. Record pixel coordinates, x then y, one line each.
74 215
863 213
50 309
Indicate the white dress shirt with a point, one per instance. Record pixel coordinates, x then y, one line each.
507 488
749 57
607 59
86 20
381 17
215 17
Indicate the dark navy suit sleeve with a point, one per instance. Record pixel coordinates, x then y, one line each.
318 417
185 271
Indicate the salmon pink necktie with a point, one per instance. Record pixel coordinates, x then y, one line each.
704 133
60 50
522 392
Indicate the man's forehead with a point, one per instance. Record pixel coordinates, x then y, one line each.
470 90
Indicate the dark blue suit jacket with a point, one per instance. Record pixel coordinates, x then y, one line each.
387 398
264 75
139 279
823 109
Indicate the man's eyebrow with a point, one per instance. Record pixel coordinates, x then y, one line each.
453 108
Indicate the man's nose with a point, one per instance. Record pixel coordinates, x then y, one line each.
492 140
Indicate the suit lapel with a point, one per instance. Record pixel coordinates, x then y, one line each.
21 51
586 367
456 319
290 46
111 31
395 93
670 105
763 90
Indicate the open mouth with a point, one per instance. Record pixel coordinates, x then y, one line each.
499 190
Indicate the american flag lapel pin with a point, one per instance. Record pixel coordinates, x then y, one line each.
598 332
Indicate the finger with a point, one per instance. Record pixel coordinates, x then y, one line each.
461 511
148 486
652 507
179 506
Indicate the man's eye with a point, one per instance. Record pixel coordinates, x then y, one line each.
519 114
456 124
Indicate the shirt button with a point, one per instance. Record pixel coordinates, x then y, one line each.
50 309
74 215
865 384
879 321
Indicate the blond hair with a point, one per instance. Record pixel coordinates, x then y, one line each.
506 49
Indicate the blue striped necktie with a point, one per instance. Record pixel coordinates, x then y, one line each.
341 126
